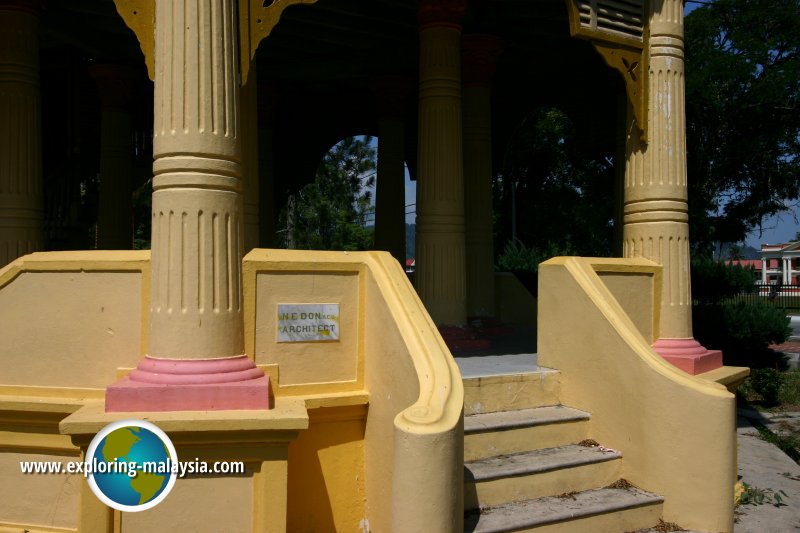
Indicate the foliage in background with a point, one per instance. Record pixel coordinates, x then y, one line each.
142 215
743 331
330 213
517 257
743 121
713 281
767 382
563 197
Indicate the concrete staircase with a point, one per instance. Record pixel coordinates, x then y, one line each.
530 463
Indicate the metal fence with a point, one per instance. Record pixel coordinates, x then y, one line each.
783 296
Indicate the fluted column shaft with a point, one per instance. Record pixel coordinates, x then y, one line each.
115 224
440 255
21 210
196 303
479 56
656 212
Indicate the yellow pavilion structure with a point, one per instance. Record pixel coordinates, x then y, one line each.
222 108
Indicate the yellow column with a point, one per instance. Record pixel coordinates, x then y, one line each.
20 135
655 212
195 355
250 185
441 271
196 308
114 222
479 57
390 213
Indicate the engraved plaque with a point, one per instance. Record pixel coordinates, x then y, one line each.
308 322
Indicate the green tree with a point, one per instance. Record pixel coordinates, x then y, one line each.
563 197
330 213
743 122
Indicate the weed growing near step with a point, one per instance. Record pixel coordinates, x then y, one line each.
758 496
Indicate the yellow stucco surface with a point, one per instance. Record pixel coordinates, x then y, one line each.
71 319
376 416
326 472
37 500
676 431
199 504
309 362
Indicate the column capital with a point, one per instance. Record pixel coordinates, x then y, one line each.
479 53
440 13
114 85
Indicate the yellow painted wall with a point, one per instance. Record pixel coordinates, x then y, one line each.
412 443
326 472
201 504
676 431
388 366
384 444
37 500
309 362
70 319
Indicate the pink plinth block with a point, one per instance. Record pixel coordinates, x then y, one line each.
191 385
688 355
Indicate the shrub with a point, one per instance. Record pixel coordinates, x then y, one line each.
767 382
713 281
742 331
517 257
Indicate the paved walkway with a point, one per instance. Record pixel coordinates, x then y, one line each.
765 466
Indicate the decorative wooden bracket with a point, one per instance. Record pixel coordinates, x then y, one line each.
256 20
619 35
255 23
632 65
139 16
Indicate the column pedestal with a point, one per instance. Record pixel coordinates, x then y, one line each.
180 385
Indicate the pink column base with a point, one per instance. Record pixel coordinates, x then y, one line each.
191 385
688 355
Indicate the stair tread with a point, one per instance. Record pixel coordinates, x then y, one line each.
536 416
551 509
536 461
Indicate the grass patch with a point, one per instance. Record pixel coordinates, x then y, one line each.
787 398
789 393
788 444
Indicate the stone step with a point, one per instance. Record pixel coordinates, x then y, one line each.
527 475
507 392
508 432
600 510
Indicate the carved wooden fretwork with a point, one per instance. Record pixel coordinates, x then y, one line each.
256 20
617 31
